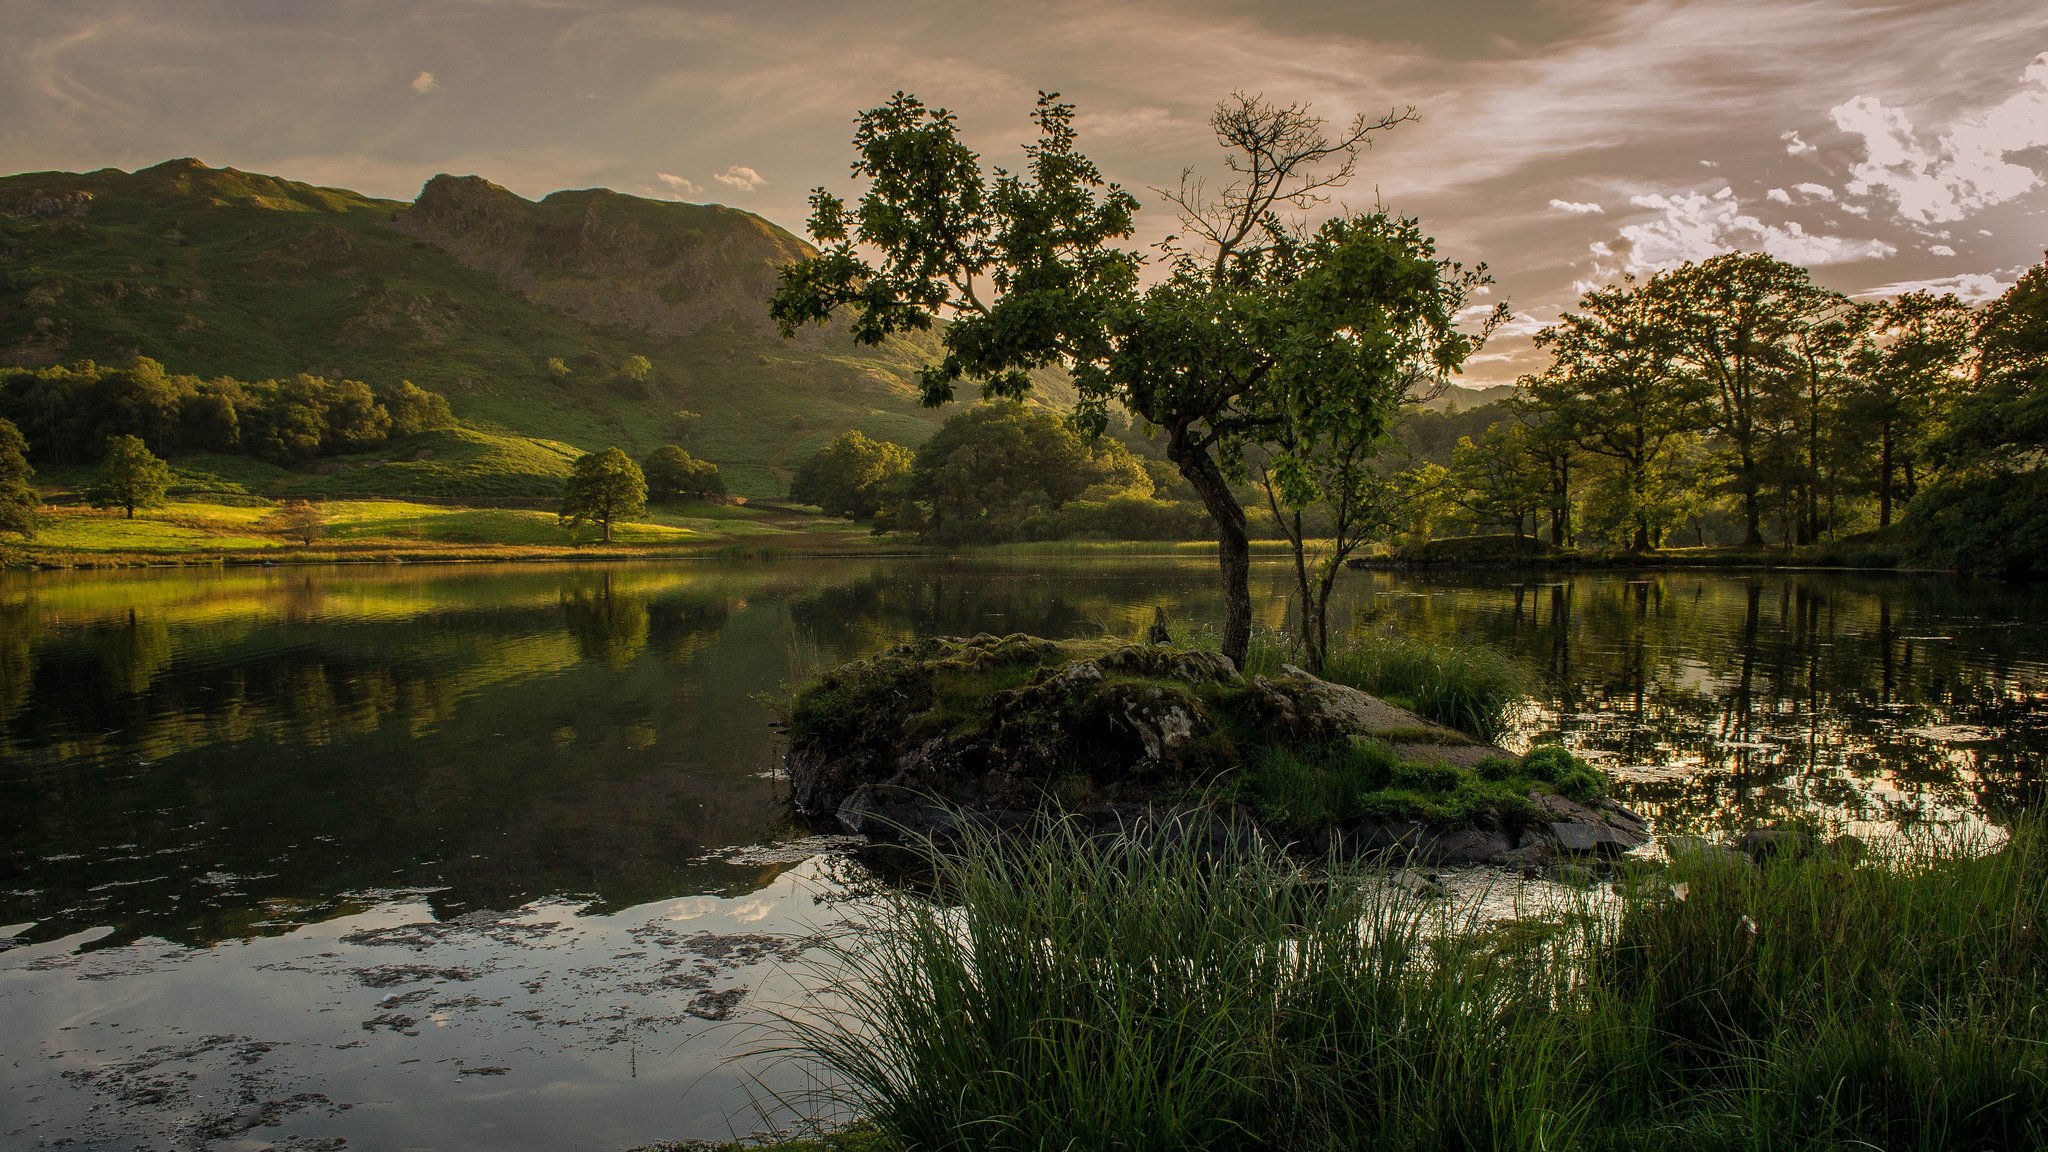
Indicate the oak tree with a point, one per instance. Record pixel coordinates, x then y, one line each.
1255 317
130 477
602 488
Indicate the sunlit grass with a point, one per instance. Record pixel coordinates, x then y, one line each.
187 528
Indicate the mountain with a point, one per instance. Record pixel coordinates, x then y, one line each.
524 314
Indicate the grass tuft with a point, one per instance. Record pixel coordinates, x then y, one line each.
1079 993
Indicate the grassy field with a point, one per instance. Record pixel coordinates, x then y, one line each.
190 531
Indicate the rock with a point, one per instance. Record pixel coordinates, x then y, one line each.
1762 844
1589 837
928 737
1467 846
1698 849
1533 854
1416 883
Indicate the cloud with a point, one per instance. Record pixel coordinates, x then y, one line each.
425 83
679 185
1794 146
1692 226
1971 287
1814 191
1941 250
1578 207
1521 324
741 177
1778 196
1959 171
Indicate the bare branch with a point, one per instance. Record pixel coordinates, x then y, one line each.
1284 158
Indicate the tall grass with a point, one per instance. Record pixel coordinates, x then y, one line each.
1471 688
1075 993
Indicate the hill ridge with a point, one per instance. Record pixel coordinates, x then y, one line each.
523 312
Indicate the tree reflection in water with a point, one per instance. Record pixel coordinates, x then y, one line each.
210 755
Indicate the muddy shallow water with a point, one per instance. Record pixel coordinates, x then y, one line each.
430 857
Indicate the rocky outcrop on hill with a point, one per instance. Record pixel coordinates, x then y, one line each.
606 258
933 736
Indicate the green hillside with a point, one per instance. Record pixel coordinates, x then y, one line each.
523 314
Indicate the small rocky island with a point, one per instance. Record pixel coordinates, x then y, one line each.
1004 732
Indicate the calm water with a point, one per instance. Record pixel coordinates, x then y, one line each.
438 857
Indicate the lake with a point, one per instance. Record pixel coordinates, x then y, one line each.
420 856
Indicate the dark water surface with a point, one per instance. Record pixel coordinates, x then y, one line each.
440 857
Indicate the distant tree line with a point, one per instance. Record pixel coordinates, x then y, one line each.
997 472
1734 401
70 414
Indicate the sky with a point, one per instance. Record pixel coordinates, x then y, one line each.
1887 146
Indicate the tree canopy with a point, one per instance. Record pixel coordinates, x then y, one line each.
603 487
69 413
20 504
1258 321
674 474
1002 471
852 476
130 477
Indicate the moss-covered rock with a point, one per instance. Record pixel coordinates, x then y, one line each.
1006 729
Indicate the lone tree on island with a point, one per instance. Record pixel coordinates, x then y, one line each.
602 487
20 505
1258 324
130 477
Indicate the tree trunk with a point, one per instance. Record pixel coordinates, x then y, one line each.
1884 472
1233 550
131 509
1335 566
1752 516
1311 632
607 522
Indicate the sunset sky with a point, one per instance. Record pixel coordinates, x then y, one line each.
1564 143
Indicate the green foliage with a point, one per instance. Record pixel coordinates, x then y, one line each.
1002 471
673 474
71 411
1996 524
852 476
1555 766
2004 422
415 410
1498 477
1075 992
603 488
1469 687
130 477
20 504
1305 790
1128 517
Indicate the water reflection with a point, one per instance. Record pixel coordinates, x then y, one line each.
1730 699
203 756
